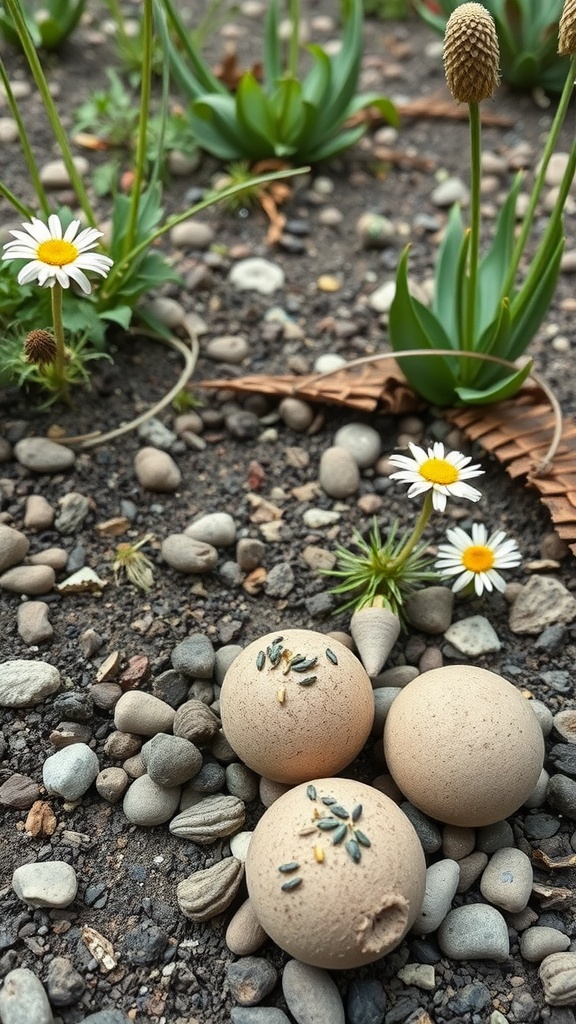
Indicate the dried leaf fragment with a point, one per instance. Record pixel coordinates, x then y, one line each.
101 948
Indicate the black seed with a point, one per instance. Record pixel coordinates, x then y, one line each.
327 824
291 865
328 800
308 681
303 666
353 850
292 883
274 652
356 812
296 659
362 839
260 659
278 640
311 792
338 834
339 811
331 656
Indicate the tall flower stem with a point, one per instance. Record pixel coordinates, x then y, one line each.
29 157
419 527
474 247
294 38
145 91
59 364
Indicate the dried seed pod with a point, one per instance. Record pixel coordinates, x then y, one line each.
209 892
40 347
195 722
558 976
567 29
471 54
209 819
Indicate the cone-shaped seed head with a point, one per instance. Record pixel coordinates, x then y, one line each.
567 29
471 54
40 347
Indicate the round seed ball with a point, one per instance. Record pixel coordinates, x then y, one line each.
339 896
463 745
293 720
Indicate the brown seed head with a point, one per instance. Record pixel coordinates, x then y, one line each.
471 54
567 29
40 347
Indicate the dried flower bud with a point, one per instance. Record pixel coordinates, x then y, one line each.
40 347
471 54
567 29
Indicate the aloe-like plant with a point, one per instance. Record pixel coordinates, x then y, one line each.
527 33
296 120
49 24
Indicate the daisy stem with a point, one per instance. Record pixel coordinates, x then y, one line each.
145 90
473 250
419 527
294 38
58 327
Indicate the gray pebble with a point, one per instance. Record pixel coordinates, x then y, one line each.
64 983
365 1001
157 434
228 348
71 771
279 582
192 234
451 190
494 837
399 676
23 999
188 555
544 716
171 760
537 943
194 657
507 880
251 979
156 470
143 714
149 804
375 231
54 173
241 782
430 609
543 601
73 509
224 658
311 994
167 311
441 883
457 841
43 456
471 867
538 795
109 1016
561 795
563 757
474 932
210 779
14 547
33 624
258 1015
296 414
256 274
384 696
48 883
28 580
9 131
215 528
250 553
428 832
339 474
473 636
362 441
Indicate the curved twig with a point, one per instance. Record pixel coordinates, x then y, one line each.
190 357
541 468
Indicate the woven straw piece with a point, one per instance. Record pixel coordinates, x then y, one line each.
471 54
567 29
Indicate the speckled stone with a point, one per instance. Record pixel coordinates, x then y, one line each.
311 994
49 883
339 474
539 942
28 580
507 880
474 932
71 771
441 883
171 760
40 455
245 934
24 683
23 999
188 555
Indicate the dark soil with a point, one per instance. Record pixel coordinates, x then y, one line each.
136 870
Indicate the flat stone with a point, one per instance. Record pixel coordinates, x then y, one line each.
56 558
23 999
47 883
156 471
157 434
256 274
543 601
143 714
507 880
258 1015
564 723
251 979
474 932
228 348
311 994
34 626
473 636
41 455
28 580
19 791
73 509
490 838
451 190
188 555
14 547
24 683
215 528
71 771
148 804
365 1001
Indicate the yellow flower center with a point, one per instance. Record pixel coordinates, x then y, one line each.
56 252
439 471
477 558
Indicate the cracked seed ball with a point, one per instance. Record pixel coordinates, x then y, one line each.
463 745
296 705
341 895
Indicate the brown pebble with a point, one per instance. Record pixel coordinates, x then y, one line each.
39 514
471 868
552 546
245 934
457 842
137 672
90 642
29 580
386 785
135 767
105 695
54 557
41 820
431 658
19 791
109 668
111 784
67 733
122 745
33 624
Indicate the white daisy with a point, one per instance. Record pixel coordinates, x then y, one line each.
477 557
57 257
442 473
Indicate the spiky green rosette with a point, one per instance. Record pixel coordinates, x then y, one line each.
471 54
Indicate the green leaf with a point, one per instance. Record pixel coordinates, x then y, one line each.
317 84
498 392
215 127
121 315
254 112
445 304
289 112
203 81
432 376
332 145
532 303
